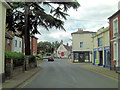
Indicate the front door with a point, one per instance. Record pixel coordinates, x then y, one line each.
62 53
101 57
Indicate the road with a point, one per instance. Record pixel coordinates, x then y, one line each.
62 74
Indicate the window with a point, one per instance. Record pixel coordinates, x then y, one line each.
115 49
100 41
20 44
81 44
115 26
15 43
8 41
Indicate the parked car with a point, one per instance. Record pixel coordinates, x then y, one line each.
51 58
46 57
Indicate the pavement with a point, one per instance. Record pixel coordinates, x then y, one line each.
98 69
16 81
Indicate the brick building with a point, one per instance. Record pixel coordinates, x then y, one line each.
8 41
114 22
33 45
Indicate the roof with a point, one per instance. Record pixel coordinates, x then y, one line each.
82 32
33 36
67 47
114 14
7 35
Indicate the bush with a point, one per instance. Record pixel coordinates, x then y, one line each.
14 55
39 57
18 58
31 58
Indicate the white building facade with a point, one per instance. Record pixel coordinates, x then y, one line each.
17 44
82 45
3 7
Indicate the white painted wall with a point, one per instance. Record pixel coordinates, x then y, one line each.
3 7
14 48
85 38
60 49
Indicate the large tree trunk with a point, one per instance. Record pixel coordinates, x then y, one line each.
27 32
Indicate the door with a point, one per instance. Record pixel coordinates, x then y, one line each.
62 53
101 57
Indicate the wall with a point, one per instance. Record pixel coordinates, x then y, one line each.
16 49
60 49
104 33
113 39
85 38
8 47
33 46
3 7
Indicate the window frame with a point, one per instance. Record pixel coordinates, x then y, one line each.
81 43
115 31
15 43
115 52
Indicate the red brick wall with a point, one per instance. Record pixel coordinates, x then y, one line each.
111 35
33 46
33 43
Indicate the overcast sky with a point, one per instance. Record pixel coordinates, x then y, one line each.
91 15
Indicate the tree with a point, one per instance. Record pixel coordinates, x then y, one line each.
27 16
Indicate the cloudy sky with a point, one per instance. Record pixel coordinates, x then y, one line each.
91 15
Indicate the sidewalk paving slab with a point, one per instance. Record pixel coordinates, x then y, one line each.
20 79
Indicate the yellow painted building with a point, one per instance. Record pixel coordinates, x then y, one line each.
101 47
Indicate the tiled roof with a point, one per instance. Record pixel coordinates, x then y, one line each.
114 14
67 47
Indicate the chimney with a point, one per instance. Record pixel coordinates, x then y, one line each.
80 29
67 44
119 5
61 41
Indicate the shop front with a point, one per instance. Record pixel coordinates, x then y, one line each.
107 56
81 56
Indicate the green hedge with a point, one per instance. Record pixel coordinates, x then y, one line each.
18 58
14 55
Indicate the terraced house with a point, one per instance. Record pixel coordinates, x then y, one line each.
114 22
101 47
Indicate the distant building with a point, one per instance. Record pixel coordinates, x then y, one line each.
82 45
63 51
33 45
114 22
101 48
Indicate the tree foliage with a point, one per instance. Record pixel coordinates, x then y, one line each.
47 46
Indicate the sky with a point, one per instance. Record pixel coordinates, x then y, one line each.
90 16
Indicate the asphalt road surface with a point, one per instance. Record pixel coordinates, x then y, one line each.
61 74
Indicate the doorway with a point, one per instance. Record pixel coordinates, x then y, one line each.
101 57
